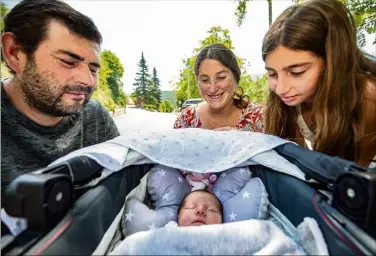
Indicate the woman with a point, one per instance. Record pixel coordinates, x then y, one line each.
322 87
224 106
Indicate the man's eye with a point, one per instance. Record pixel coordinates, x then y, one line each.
94 71
221 77
69 63
272 74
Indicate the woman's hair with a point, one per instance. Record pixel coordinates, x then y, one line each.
326 29
203 191
227 58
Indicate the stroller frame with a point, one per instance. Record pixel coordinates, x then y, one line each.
101 203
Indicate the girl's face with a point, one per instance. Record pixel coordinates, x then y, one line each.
293 75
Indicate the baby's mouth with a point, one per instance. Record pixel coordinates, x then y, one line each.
198 223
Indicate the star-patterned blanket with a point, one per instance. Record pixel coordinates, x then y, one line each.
192 149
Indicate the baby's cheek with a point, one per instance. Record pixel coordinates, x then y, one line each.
183 219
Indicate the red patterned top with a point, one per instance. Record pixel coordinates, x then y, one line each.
252 118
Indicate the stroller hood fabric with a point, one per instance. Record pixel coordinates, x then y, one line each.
195 150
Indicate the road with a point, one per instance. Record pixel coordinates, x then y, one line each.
139 119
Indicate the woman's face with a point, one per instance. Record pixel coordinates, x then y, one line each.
293 75
216 84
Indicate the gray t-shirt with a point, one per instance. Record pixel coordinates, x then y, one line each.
27 146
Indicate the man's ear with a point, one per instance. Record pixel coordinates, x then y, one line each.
12 53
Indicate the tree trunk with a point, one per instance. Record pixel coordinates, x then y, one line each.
270 12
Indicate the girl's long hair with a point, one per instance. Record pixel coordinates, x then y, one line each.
325 28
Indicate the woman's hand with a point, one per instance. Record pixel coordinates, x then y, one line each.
226 128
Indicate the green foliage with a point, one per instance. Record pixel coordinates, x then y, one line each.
150 107
258 89
133 97
143 83
241 11
166 106
169 95
112 76
147 87
215 35
255 89
109 91
4 11
155 91
4 70
363 11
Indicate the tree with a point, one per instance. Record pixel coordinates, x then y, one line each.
166 106
241 11
4 68
155 90
363 11
142 83
215 35
4 11
257 89
109 91
112 74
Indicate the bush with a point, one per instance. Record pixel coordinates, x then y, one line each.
110 105
150 107
166 106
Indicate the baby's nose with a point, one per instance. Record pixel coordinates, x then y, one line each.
200 210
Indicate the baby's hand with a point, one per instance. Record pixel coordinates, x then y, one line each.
226 128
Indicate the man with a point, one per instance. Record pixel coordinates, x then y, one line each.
53 52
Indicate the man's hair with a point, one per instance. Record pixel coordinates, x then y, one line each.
29 20
204 191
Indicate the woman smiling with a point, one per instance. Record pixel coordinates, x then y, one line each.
225 106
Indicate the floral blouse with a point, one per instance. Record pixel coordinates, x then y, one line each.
252 118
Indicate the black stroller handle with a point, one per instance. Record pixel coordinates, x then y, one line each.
81 169
44 196
323 168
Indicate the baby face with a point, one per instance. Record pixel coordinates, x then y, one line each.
200 208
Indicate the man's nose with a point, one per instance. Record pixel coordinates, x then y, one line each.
84 76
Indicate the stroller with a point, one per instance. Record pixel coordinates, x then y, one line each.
74 207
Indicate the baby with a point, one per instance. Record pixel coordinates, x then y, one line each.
199 207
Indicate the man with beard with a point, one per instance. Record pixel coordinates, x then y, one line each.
53 52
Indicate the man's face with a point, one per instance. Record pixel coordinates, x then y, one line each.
62 74
200 208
